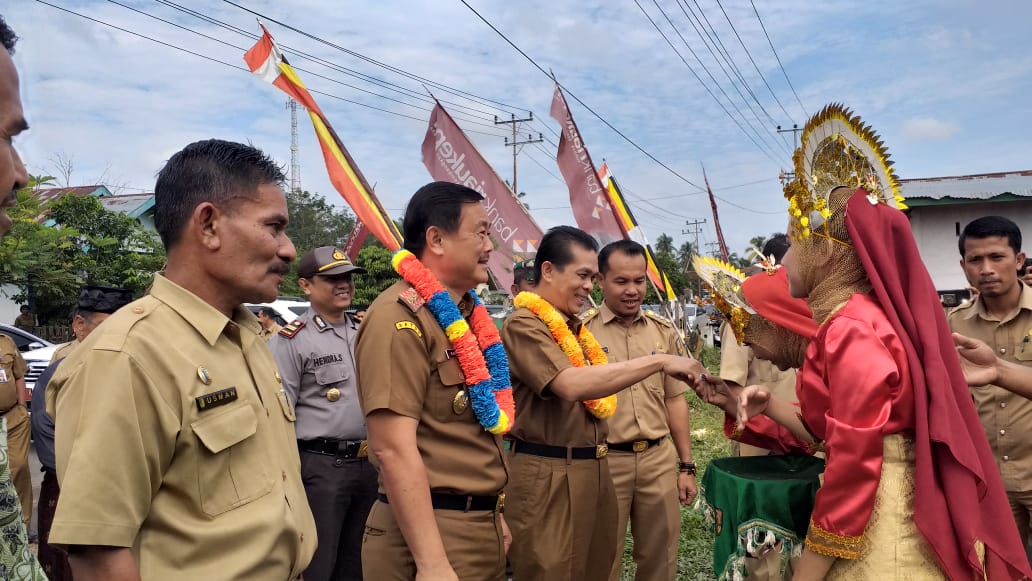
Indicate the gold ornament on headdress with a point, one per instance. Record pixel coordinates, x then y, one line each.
726 283
837 149
769 264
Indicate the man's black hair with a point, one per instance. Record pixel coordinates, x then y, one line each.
216 171
776 246
268 312
627 247
556 247
435 204
991 227
7 36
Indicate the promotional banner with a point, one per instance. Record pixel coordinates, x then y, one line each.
450 156
266 61
588 198
355 240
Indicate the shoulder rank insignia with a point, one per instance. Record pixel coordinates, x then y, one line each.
589 314
291 329
658 318
411 299
410 326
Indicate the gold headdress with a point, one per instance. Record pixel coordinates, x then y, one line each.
837 149
726 283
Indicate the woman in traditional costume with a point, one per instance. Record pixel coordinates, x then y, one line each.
910 489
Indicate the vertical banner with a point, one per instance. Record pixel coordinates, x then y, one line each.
355 240
588 198
450 156
267 63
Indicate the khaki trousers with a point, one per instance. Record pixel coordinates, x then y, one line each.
562 514
646 496
1021 505
472 541
19 433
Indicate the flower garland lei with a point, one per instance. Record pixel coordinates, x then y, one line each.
574 348
479 350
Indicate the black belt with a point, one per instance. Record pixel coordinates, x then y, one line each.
463 502
546 451
341 448
638 446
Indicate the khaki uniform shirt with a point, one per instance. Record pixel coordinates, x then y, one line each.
26 322
406 365
63 350
1007 417
738 364
12 368
268 334
535 359
174 438
641 408
317 362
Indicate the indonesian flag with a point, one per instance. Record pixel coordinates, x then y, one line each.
267 63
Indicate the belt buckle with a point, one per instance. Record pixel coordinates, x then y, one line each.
601 451
500 503
640 446
363 449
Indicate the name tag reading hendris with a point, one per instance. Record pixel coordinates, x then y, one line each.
216 398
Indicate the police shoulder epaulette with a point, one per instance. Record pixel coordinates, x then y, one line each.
411 299
589 315
291 329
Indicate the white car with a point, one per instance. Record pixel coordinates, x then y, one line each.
35 350
287 308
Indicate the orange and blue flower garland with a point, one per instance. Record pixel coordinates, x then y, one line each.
479 350
575 348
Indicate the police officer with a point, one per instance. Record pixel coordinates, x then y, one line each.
316 357
12 408
96 303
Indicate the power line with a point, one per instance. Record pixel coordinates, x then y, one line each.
419 95
755 66
783 71
764 137
239 68
705 86
576 98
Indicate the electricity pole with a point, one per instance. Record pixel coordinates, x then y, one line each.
514 144
787 176
694 229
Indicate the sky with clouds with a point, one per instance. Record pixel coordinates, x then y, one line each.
946 83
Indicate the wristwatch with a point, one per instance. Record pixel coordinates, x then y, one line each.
688 467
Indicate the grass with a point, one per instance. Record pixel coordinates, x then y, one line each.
695 554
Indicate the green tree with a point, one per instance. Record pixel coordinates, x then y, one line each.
314 222
379 273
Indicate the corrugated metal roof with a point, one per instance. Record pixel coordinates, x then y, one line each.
130 204
972 187
50 194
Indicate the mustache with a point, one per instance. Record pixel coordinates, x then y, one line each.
280 268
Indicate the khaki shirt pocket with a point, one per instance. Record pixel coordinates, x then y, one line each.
1023 350
442 397
654 382
231 466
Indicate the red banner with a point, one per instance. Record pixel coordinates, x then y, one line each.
588 198
449 156
355 240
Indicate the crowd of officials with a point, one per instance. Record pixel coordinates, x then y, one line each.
182 437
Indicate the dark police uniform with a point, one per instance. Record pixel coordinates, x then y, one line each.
317 362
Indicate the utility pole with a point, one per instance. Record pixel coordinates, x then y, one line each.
714 248
787 176
514 144
295 165
694 229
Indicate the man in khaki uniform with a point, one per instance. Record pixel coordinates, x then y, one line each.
990 249
175 444
441 473
12 409
648 475
269 326
561 504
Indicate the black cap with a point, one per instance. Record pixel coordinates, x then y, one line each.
104 299
325 260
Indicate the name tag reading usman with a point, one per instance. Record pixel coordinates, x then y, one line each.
216 398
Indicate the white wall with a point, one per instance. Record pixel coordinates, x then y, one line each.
8 308
936 229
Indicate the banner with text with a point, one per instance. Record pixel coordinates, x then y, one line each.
450 156
588 199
